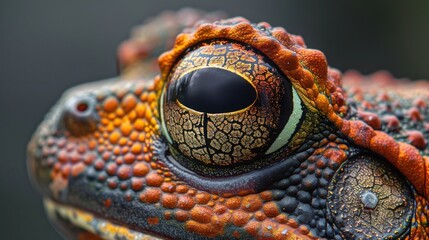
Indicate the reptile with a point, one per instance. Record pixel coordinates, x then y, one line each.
239 131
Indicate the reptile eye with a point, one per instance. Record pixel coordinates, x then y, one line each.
225 103
79 115
364 193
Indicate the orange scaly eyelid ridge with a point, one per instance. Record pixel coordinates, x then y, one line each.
317 85
286 50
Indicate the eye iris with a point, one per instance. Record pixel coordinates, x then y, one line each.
214 90
224 104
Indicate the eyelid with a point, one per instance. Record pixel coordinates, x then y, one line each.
253 181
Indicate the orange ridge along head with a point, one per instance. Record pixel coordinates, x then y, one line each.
245 134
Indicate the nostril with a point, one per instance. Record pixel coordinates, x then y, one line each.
79 116
82 106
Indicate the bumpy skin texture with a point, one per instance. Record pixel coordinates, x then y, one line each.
108 156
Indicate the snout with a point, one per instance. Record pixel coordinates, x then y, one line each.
54 149
38 165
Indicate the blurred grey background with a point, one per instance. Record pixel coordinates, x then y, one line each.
47 46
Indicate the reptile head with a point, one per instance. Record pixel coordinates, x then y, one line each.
245 134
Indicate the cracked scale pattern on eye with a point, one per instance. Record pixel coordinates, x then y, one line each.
368 198
237 134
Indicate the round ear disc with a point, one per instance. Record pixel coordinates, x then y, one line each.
368 198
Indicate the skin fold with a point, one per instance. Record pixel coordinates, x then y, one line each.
307 153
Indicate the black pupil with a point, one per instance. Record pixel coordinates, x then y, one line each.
214 90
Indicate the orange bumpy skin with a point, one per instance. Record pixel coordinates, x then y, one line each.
101 149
